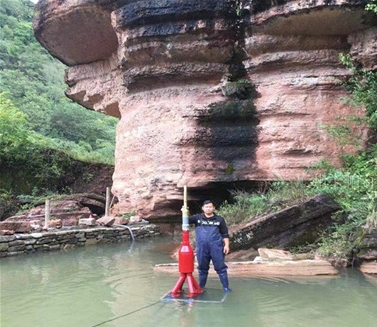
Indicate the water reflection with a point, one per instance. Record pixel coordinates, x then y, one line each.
114 285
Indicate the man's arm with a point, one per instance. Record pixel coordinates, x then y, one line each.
226 245
225 234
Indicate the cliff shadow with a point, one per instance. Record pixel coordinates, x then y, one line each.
225 143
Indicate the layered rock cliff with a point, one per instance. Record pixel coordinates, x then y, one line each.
214 94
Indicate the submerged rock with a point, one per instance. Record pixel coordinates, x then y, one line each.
369 267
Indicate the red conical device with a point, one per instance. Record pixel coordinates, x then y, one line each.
186 257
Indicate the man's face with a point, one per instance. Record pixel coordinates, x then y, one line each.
208 209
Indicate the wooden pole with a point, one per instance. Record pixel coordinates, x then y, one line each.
107 205
185 211
185 196
47 212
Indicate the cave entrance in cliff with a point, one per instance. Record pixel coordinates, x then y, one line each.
219 192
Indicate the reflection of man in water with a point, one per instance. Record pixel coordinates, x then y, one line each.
212 243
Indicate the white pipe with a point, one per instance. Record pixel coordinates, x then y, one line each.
127 227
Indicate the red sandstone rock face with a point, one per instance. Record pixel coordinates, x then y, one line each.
167 70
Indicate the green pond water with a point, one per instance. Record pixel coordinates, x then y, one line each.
114 285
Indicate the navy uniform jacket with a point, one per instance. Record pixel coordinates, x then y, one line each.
209 234
215 221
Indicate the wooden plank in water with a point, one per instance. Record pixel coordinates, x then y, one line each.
276 268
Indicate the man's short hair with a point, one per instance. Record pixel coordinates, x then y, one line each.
207 202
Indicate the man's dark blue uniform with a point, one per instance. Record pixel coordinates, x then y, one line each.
210 234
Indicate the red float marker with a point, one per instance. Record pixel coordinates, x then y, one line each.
186 257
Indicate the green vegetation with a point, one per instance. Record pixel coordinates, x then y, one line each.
31 166
34 82
248 206
45 138
241 89
372 6
353 186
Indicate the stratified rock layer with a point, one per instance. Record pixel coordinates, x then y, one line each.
210 93
302 223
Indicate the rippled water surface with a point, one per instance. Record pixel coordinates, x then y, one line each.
114 285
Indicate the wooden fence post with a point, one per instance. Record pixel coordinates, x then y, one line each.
107 205
47 212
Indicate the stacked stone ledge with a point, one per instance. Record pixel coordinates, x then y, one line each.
11 245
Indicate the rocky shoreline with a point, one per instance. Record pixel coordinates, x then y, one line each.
256 245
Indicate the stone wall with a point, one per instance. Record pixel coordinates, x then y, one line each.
66 239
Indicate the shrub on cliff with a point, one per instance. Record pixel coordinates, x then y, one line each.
353 186
248 206
355 189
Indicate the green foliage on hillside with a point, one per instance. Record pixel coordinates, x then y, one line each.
34 82
47 142
28 162
14 129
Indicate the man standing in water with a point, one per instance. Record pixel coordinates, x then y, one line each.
212 243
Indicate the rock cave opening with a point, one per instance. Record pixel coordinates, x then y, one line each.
218 192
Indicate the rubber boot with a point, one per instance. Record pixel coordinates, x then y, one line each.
202 280
224 281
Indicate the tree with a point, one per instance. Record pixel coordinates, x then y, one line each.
14 129
34 81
